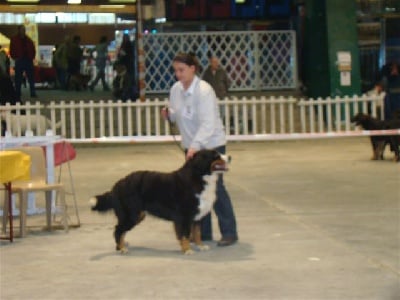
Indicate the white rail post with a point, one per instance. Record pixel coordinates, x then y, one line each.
62 107
148 120
139 120
329 113
73 120
302 115
254 119
272 115
320 113
282 119
92 119
110 112
120 118
102 118
291 102
157 117
129 117
244 103
348 101
236 115
82 121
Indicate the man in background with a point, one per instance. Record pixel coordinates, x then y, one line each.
22 51
216 76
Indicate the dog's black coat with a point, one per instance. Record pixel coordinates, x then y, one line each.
379 142
171 196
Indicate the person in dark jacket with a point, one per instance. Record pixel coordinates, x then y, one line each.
125 54
7 90
23 52
391 85
101 50
74 58
122 84
216 76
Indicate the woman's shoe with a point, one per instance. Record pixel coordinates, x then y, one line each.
227 241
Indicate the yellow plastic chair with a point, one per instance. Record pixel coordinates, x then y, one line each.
37 183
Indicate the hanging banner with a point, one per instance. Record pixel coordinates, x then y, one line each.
31 30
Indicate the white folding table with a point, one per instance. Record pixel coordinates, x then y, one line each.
7 143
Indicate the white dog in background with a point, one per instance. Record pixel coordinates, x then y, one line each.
37 123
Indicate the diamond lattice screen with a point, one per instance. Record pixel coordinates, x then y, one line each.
254 60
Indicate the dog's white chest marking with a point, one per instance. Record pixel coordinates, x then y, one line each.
208 196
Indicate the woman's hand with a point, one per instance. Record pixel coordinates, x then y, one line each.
165 113
190 152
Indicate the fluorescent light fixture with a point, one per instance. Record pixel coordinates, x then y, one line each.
23 1
74 1
122 1
112 6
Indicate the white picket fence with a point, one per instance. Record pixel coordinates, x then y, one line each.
251 118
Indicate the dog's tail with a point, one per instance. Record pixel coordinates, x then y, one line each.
102 203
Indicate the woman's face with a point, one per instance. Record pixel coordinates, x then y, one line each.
184 73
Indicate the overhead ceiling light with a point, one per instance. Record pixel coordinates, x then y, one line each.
23 1
122 1
74 1
112 6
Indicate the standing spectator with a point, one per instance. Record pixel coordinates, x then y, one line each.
216 76
125 54
101 50
60 61
391 85
193 106
4 63
74 57
122 87
7 90
23 51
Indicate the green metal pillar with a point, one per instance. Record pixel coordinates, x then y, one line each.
331 53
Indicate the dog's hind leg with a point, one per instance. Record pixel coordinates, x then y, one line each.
375 150
124 225
121 228
380 148
394 146
196 237
141 217
119 235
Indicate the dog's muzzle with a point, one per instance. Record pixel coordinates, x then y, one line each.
221 165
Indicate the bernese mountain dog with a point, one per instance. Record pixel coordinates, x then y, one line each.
379 142
183 196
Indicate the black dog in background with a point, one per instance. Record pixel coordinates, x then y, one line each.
379 142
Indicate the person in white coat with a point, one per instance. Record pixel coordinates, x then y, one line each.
193 107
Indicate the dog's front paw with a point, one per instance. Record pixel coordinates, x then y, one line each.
123 250
203 247
188 252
